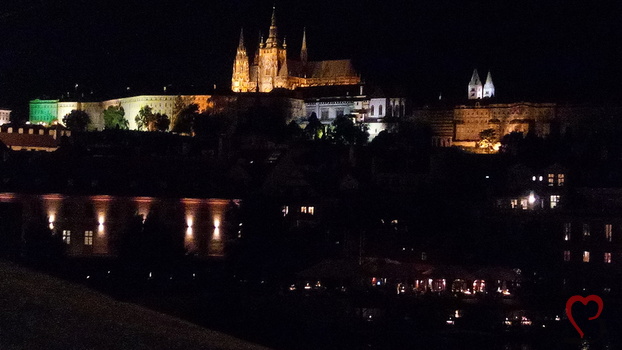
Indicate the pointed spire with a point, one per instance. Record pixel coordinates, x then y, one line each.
489 87
475 87
241 44
272 39
303 49
475 78
488 78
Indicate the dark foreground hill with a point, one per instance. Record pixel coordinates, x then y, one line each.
41 312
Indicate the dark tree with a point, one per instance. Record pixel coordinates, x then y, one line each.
77 120
347 133
184 119
150 121
294 131
144 119
161 122
114 118
209 125
315 128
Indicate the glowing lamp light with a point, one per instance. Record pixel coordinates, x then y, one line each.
216 223
51 220
101 219
189 221
531 198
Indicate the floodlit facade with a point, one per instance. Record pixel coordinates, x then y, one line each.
48 111
89 224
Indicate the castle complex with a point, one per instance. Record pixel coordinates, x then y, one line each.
460 125
271 68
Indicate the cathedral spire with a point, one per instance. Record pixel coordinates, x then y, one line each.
489 87
241 44
303 49
475 86
272 39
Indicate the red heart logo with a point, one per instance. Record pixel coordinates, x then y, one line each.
584 300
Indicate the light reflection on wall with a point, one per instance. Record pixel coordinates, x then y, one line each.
101 204
106 216
51 205
217 210
144 205
191 208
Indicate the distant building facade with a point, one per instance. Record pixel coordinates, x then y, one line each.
460 125
32 137
272 69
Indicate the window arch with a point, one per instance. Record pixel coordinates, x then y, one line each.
372 110
380 110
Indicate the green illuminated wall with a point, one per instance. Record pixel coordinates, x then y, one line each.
43 111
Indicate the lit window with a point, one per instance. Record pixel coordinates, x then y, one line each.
311 210
608 232
67 236
567 230
303 210
586 230
514 203
285 210
586 256
554 200
551 179
566 255
607 258
560 179
524 203
88 237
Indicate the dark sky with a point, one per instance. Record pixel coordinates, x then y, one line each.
537 50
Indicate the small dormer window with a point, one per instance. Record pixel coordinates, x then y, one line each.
560 179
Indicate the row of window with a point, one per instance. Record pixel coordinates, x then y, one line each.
587 232
586 256
303 209
552 179
88 237
525 202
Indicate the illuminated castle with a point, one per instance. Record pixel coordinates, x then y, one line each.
272 69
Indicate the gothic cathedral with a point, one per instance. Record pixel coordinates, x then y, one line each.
271 69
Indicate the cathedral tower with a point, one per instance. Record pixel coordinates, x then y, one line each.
240 77
303 50
489 87
271 69
475 89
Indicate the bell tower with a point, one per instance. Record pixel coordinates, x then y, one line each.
489 87
475 89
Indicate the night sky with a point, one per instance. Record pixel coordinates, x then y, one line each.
537 50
